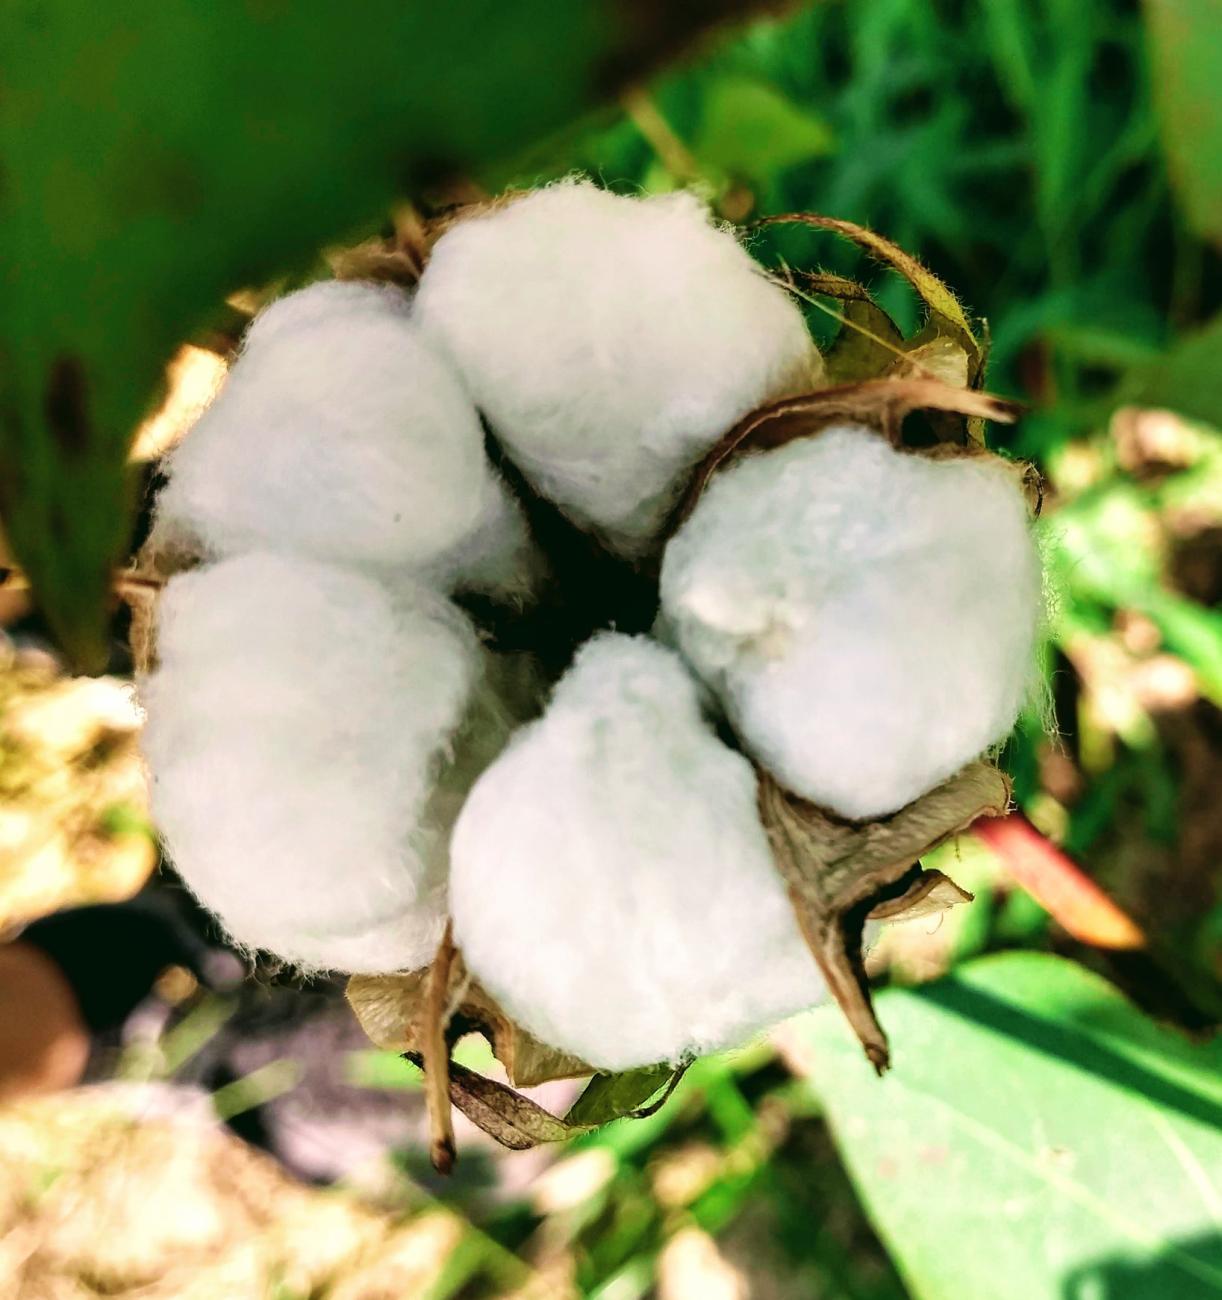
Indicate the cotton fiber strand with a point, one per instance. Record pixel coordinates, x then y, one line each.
611 341
612 885
341 435
296 726
868 616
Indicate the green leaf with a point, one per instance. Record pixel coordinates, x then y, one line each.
611 1096
750 130
150 166
869 340
1037 1138
1192 632
1187 378
1186 60
1107 547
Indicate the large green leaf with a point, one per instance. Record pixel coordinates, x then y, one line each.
1037 1138
154 157
1186 57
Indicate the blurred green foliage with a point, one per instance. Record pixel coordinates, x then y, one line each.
157 158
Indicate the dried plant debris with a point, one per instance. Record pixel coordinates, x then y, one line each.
484 444
391 1009
422 1014
138 1189
842 874
73 808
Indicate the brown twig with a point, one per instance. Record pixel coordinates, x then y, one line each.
436 1056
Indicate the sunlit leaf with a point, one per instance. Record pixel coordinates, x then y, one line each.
1037 1138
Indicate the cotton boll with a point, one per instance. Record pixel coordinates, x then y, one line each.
867 616
611 341
321 303
611 883
341 435
406 940
296 726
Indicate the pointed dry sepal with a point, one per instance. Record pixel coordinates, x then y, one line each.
423 1013
390 1009
842 873
436 1056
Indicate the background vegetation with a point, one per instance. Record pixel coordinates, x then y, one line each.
1059 163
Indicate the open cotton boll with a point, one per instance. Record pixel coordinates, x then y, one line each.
867 615
341 435
611 883
610 341
296 726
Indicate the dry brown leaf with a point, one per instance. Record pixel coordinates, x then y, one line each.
504 1114
518 1122
869 342
389 1009
398 259
941 358
423 1013
839 873
930 893
879 404
140 584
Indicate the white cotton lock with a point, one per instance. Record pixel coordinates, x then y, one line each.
297 722
612 885
868 616
611 341
340 434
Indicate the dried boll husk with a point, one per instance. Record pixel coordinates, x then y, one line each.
610 341
340 435
866 615
611 884
300 741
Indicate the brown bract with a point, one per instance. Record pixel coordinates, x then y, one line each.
842 873
391 1010
422 1014
879 404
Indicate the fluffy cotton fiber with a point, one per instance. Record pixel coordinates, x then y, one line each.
867 616
341 435
295 727
610 341
611 883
